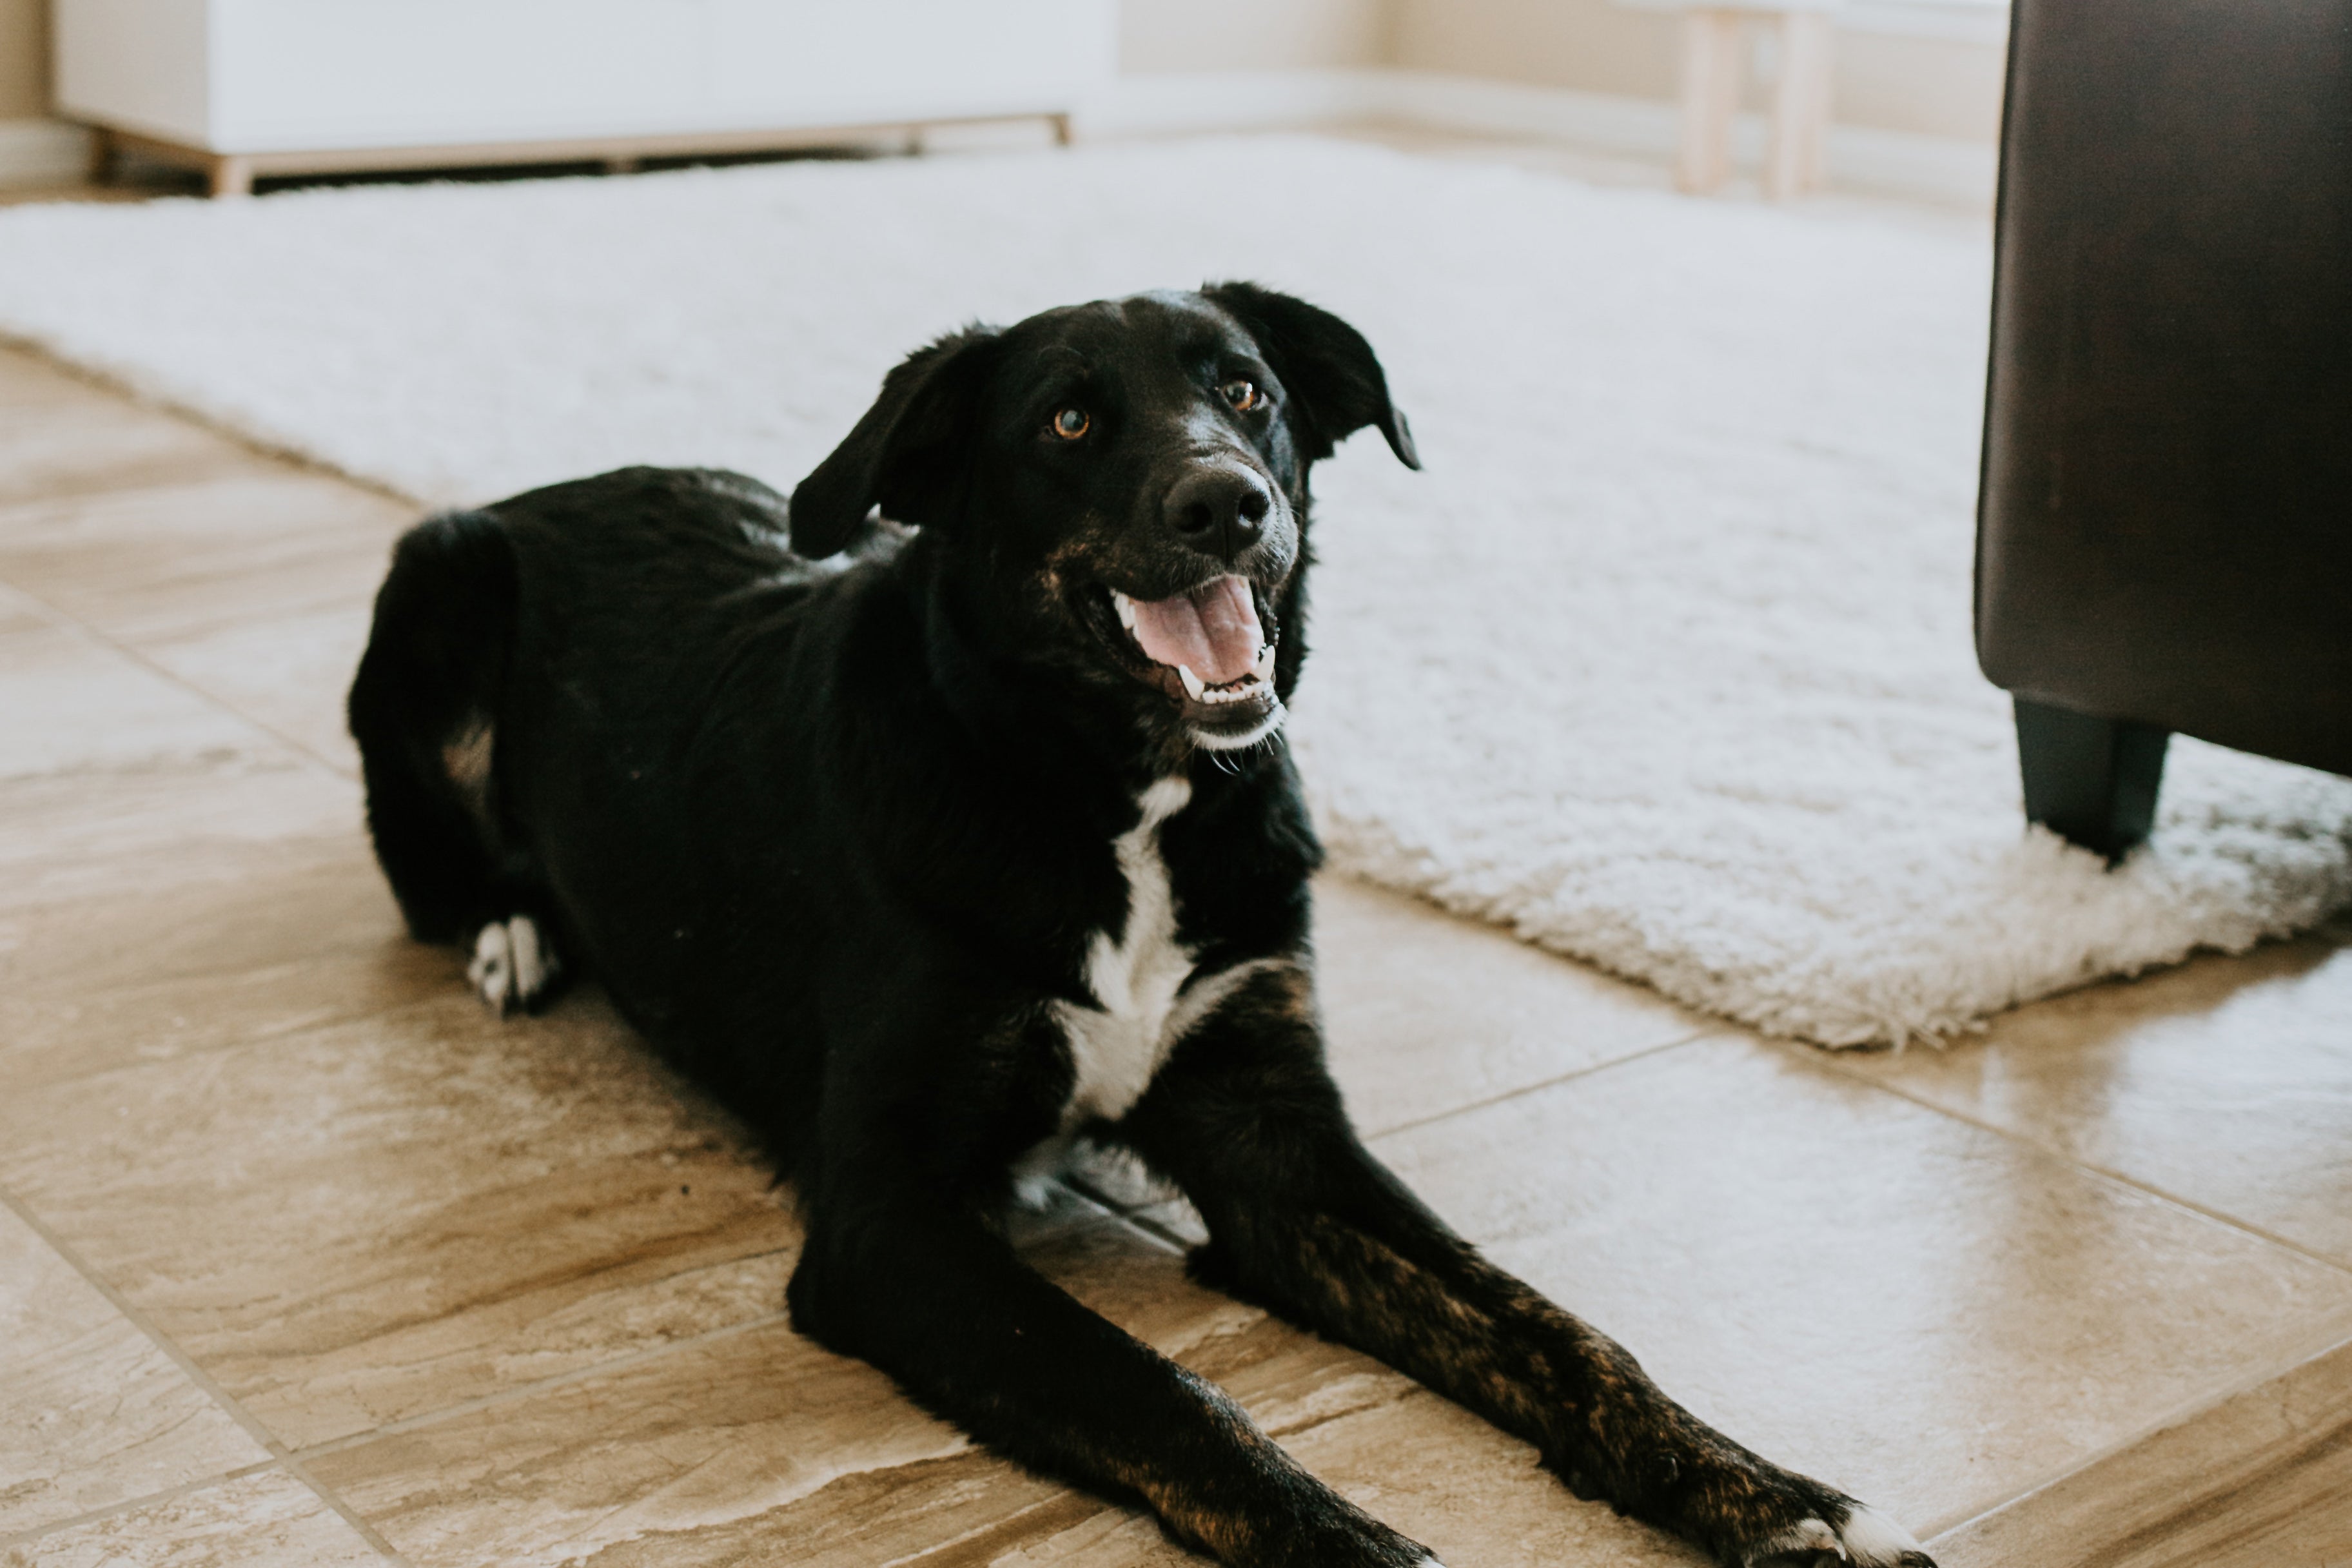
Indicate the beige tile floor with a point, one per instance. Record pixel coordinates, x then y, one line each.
304 1259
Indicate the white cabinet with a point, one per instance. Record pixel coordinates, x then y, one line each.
263 86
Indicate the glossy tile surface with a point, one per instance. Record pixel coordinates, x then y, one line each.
1427 1013
68 702
353 1224
750 1443
253 586
92 1412
2226 1082
759 1447
290 935
738 1429
117 780
2263 1479
267 1519
61 435
1928 1315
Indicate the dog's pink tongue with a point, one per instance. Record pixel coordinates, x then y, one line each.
1213 628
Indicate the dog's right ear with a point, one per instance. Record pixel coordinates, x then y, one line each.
910 454
1335 380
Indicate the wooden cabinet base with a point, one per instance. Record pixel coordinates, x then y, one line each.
233 174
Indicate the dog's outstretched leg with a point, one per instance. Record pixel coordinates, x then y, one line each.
1303 1220
894 1273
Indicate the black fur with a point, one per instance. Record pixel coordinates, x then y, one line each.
836 830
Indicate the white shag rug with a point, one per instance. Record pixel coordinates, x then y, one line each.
1664 661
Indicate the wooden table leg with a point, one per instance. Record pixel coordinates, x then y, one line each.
1710 91
1800 106
231 175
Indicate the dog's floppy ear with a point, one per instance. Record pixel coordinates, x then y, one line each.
1336 385
908 454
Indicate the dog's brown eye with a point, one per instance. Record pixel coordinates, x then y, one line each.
1072 423
1243 394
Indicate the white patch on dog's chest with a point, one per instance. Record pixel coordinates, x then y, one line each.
1119 1042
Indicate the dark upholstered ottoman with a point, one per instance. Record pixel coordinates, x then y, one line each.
2164 530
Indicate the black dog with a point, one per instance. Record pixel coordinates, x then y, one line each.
932 842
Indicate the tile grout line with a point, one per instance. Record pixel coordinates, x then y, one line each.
132 1505
1129 1214
98 1075
247 443
196 1375
2147 1189
1132 1213
1374 1135
299 748
976 1531
1813 1057
2180 1415
633 1360
292 1458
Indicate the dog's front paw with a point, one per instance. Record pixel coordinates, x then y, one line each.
1842 1532
514 965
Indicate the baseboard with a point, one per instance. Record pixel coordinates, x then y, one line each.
1604 121
1940 169
1184 103
1943 169
38 152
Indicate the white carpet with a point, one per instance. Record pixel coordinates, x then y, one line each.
1664 662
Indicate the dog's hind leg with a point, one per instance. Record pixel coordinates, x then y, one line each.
1303 1220
423 710
514 963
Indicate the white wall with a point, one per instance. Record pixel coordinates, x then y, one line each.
24 58
1166 35
1937 87
1940 87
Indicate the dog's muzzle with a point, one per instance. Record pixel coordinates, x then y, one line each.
1209 650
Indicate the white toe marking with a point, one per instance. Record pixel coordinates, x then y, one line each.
1875 1540
492 970
534 960
513 963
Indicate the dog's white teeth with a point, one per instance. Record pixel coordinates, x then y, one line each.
1264 668
1125 609
1192 683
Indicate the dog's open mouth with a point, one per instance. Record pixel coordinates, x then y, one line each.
1208 649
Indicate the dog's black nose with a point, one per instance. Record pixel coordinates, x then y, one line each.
1220 511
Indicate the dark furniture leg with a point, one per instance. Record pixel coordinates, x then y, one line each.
2093 781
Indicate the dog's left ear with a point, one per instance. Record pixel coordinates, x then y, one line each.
1334 381
909 454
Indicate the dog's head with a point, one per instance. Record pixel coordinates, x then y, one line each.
1120 488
